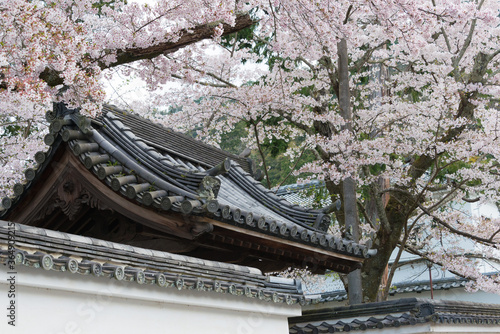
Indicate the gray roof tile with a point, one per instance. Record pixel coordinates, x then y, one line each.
78 238
55 234
31 229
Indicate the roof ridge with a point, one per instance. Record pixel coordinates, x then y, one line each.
118 112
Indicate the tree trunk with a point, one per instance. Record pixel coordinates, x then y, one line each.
386 241
355 291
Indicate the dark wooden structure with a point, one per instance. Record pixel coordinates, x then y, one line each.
125 179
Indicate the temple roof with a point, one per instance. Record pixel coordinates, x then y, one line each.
175 185
398 313
64 252
182 161
173 143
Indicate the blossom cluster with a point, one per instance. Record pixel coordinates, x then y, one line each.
57 50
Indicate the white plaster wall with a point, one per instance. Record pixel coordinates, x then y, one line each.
56 303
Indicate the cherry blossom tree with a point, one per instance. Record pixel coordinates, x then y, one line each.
424 131
424 87
61 51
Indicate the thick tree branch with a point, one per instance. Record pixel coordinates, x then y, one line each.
309 64
299 125
375 192
494 234
467 42
197 34
349 12
358 64
205 31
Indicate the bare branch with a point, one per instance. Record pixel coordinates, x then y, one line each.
348 14
471 200
292 169
202 83
455 230
423 256
216 77
156 18
256 132
365 214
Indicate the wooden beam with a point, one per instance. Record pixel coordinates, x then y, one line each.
305 249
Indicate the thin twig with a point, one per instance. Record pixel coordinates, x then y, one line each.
261 153
365 214
293 168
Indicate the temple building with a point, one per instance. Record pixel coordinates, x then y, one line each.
122 198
